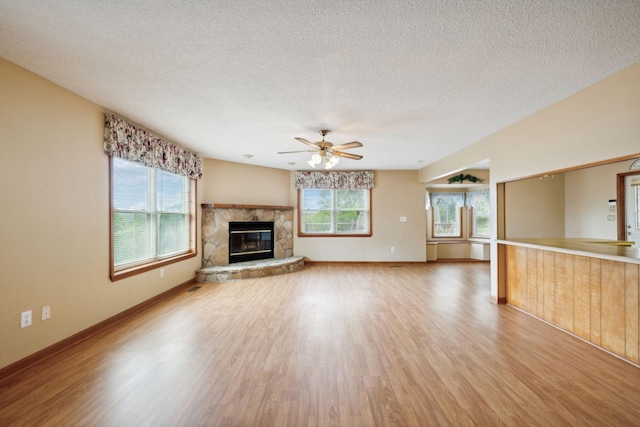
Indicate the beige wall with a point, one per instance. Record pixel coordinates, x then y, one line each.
535 207
597 123
588 192
454 250
237 183
54 218
396 194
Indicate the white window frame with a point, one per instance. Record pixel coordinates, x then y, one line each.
332 232
155 260
458 216
447 236
473 222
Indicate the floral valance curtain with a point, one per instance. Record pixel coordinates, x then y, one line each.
443 198
127 141
354 180
475 197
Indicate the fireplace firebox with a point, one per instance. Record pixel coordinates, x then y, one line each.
250 241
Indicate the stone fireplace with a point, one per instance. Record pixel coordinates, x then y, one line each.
217 238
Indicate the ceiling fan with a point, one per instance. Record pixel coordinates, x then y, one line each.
326 151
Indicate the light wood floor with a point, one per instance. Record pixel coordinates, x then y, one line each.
351 345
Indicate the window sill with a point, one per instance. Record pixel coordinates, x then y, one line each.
458 240
334 235
138 269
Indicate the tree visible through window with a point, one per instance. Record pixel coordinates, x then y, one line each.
446 208
480 218
334 212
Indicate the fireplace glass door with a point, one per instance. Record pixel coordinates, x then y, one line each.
250 241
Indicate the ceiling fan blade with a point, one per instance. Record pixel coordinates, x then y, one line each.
347 155
304 141
301 151
353 144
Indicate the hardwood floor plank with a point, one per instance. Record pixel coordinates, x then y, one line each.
331 345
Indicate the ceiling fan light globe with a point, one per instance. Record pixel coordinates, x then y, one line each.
311 163
330 162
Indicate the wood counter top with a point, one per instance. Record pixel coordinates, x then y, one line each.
600 248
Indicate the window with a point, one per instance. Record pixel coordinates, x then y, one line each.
446 214
334 212
153 218
480 221
478 203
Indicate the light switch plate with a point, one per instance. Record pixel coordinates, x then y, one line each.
25 319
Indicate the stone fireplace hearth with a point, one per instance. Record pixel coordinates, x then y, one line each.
215 229
215 238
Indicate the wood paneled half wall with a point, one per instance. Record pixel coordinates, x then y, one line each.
595 299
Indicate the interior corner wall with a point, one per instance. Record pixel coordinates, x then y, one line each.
54 227
238 183
396 194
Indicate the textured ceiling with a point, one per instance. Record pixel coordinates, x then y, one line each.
412 80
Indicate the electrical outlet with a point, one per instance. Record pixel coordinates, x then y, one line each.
25 319
403 219
46 312
162 272
393 249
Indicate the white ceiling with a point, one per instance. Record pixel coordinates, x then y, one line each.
412 80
